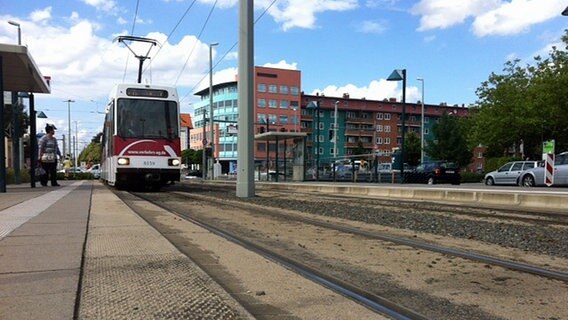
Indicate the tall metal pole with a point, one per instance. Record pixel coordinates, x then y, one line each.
211 122
14 23
245 143
335 132
2 142
69 121
422 123
33 140
204 142
403 125
318 140
16 102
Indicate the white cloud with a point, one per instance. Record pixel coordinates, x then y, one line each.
103 5
490 17
41 15
376 90
282 64
377 27
84 66
516 16
302 13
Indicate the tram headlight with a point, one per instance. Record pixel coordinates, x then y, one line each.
123 161
173 162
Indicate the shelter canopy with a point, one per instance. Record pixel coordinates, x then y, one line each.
20 72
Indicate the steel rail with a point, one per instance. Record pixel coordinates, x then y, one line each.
370 300
512 265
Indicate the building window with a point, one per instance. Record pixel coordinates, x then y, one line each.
283 119
261 147
380 116
272 88
426 119
283 104
320 150
321 125
294 91
272 119
387 128
261 103
379 140
261 87
283 89
480 155
379 128
260 118
387 116
387 140
426 131
272 103
320 138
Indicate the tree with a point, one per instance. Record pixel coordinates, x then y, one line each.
412 149
450 141
23 119
523 106
92 152
360 149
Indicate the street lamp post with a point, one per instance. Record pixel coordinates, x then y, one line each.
204 142
69 121
316 106
212 123
14 23
398 75
422 123
335 132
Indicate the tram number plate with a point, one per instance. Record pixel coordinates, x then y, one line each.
149 163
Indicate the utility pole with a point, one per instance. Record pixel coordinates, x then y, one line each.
69 121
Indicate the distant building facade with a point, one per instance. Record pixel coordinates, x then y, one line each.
280 105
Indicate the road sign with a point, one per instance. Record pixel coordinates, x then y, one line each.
548 147
549 169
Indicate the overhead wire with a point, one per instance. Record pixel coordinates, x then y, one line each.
198 39
131 33
171 32
226 53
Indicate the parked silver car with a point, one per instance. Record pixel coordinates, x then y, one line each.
509 172
535 177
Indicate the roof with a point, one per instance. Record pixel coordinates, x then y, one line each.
185 119
205 90
20 72
274 135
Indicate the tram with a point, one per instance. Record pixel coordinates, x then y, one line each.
141 143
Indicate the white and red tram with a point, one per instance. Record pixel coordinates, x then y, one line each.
141 143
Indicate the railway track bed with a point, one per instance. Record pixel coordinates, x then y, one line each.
436 285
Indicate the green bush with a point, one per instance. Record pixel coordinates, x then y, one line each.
470 177
11 176
492 164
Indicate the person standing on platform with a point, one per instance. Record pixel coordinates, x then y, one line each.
48 152
67 164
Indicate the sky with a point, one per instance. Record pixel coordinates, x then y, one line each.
340 46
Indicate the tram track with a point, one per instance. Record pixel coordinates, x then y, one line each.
495 261
372 301
204 197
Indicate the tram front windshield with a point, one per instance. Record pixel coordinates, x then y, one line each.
147 119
